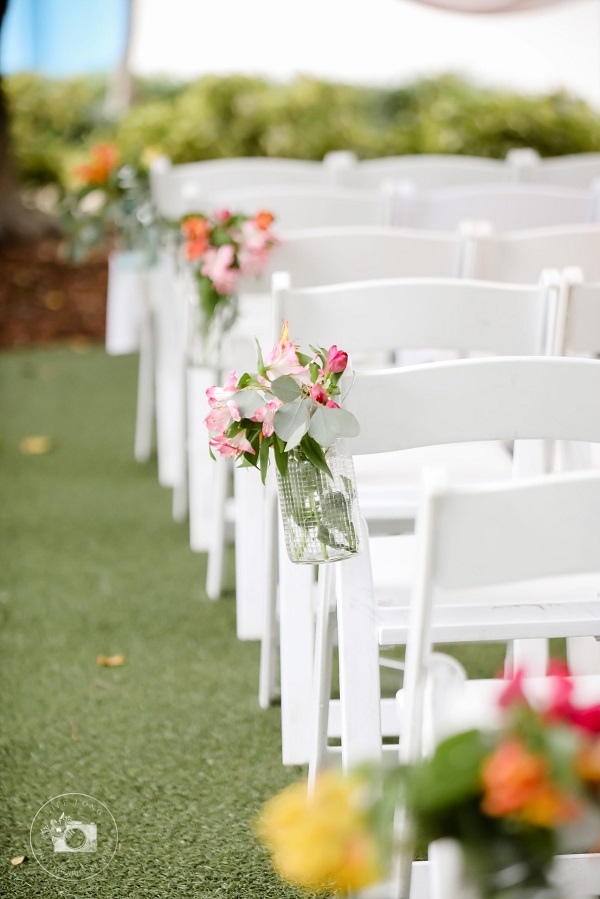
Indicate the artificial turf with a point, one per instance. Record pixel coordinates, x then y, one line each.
92 564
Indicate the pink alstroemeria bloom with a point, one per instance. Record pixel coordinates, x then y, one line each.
255 239
253 262
266 415
223 215
319 394
223 408
217 267
283 360
231 446
337 360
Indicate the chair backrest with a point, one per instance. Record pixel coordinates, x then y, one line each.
505 206
297 207
520 256
511 398
578 170
578 319
413 313
426 172
171 185
328 255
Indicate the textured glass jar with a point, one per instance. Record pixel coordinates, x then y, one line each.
321 517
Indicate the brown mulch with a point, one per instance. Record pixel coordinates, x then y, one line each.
44 299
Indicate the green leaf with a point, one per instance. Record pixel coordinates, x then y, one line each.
314 372
244 381
248 401
281 457
303 359
452 775
262 370
326 425
286 389
315 454
263 458
289 418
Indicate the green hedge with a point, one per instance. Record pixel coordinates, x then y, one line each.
54 122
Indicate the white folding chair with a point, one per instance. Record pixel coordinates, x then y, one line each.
426 171
312 257
296 207
375 316
172 185
161 366
475 539
575 170
505 206
520 256
476 399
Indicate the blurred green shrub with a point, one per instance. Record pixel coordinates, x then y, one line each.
55 122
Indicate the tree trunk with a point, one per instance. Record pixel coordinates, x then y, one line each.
16 220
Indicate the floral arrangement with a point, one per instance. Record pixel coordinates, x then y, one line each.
512 798
290 403
109 202
290 406
222 248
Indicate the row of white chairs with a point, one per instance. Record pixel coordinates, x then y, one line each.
171 183
498 319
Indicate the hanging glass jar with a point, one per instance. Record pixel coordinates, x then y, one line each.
321 516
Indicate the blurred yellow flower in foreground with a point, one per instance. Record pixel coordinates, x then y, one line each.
322 841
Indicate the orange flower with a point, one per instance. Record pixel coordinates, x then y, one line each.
516 783
104 159
263 220
587 763
195 228
195 249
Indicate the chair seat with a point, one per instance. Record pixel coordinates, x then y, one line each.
388 485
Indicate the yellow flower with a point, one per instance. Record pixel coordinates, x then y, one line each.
322 841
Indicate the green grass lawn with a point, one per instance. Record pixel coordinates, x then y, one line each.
92 564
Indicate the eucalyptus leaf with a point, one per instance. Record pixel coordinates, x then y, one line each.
248 402
327 424
290 417
286 389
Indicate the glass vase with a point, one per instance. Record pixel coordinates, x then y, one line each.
321 516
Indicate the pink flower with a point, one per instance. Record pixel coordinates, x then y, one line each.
255 239
282 360
223 408
337 360
231 446
253 262
331 405
220 416
223 215
217 267
266 415
319 394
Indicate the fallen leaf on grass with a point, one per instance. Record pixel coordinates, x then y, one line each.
18 860
110 661
36 446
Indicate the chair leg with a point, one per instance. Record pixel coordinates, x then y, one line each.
250 576
583 655
324 632
296 628
267 688
359 661
144 419
217 498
